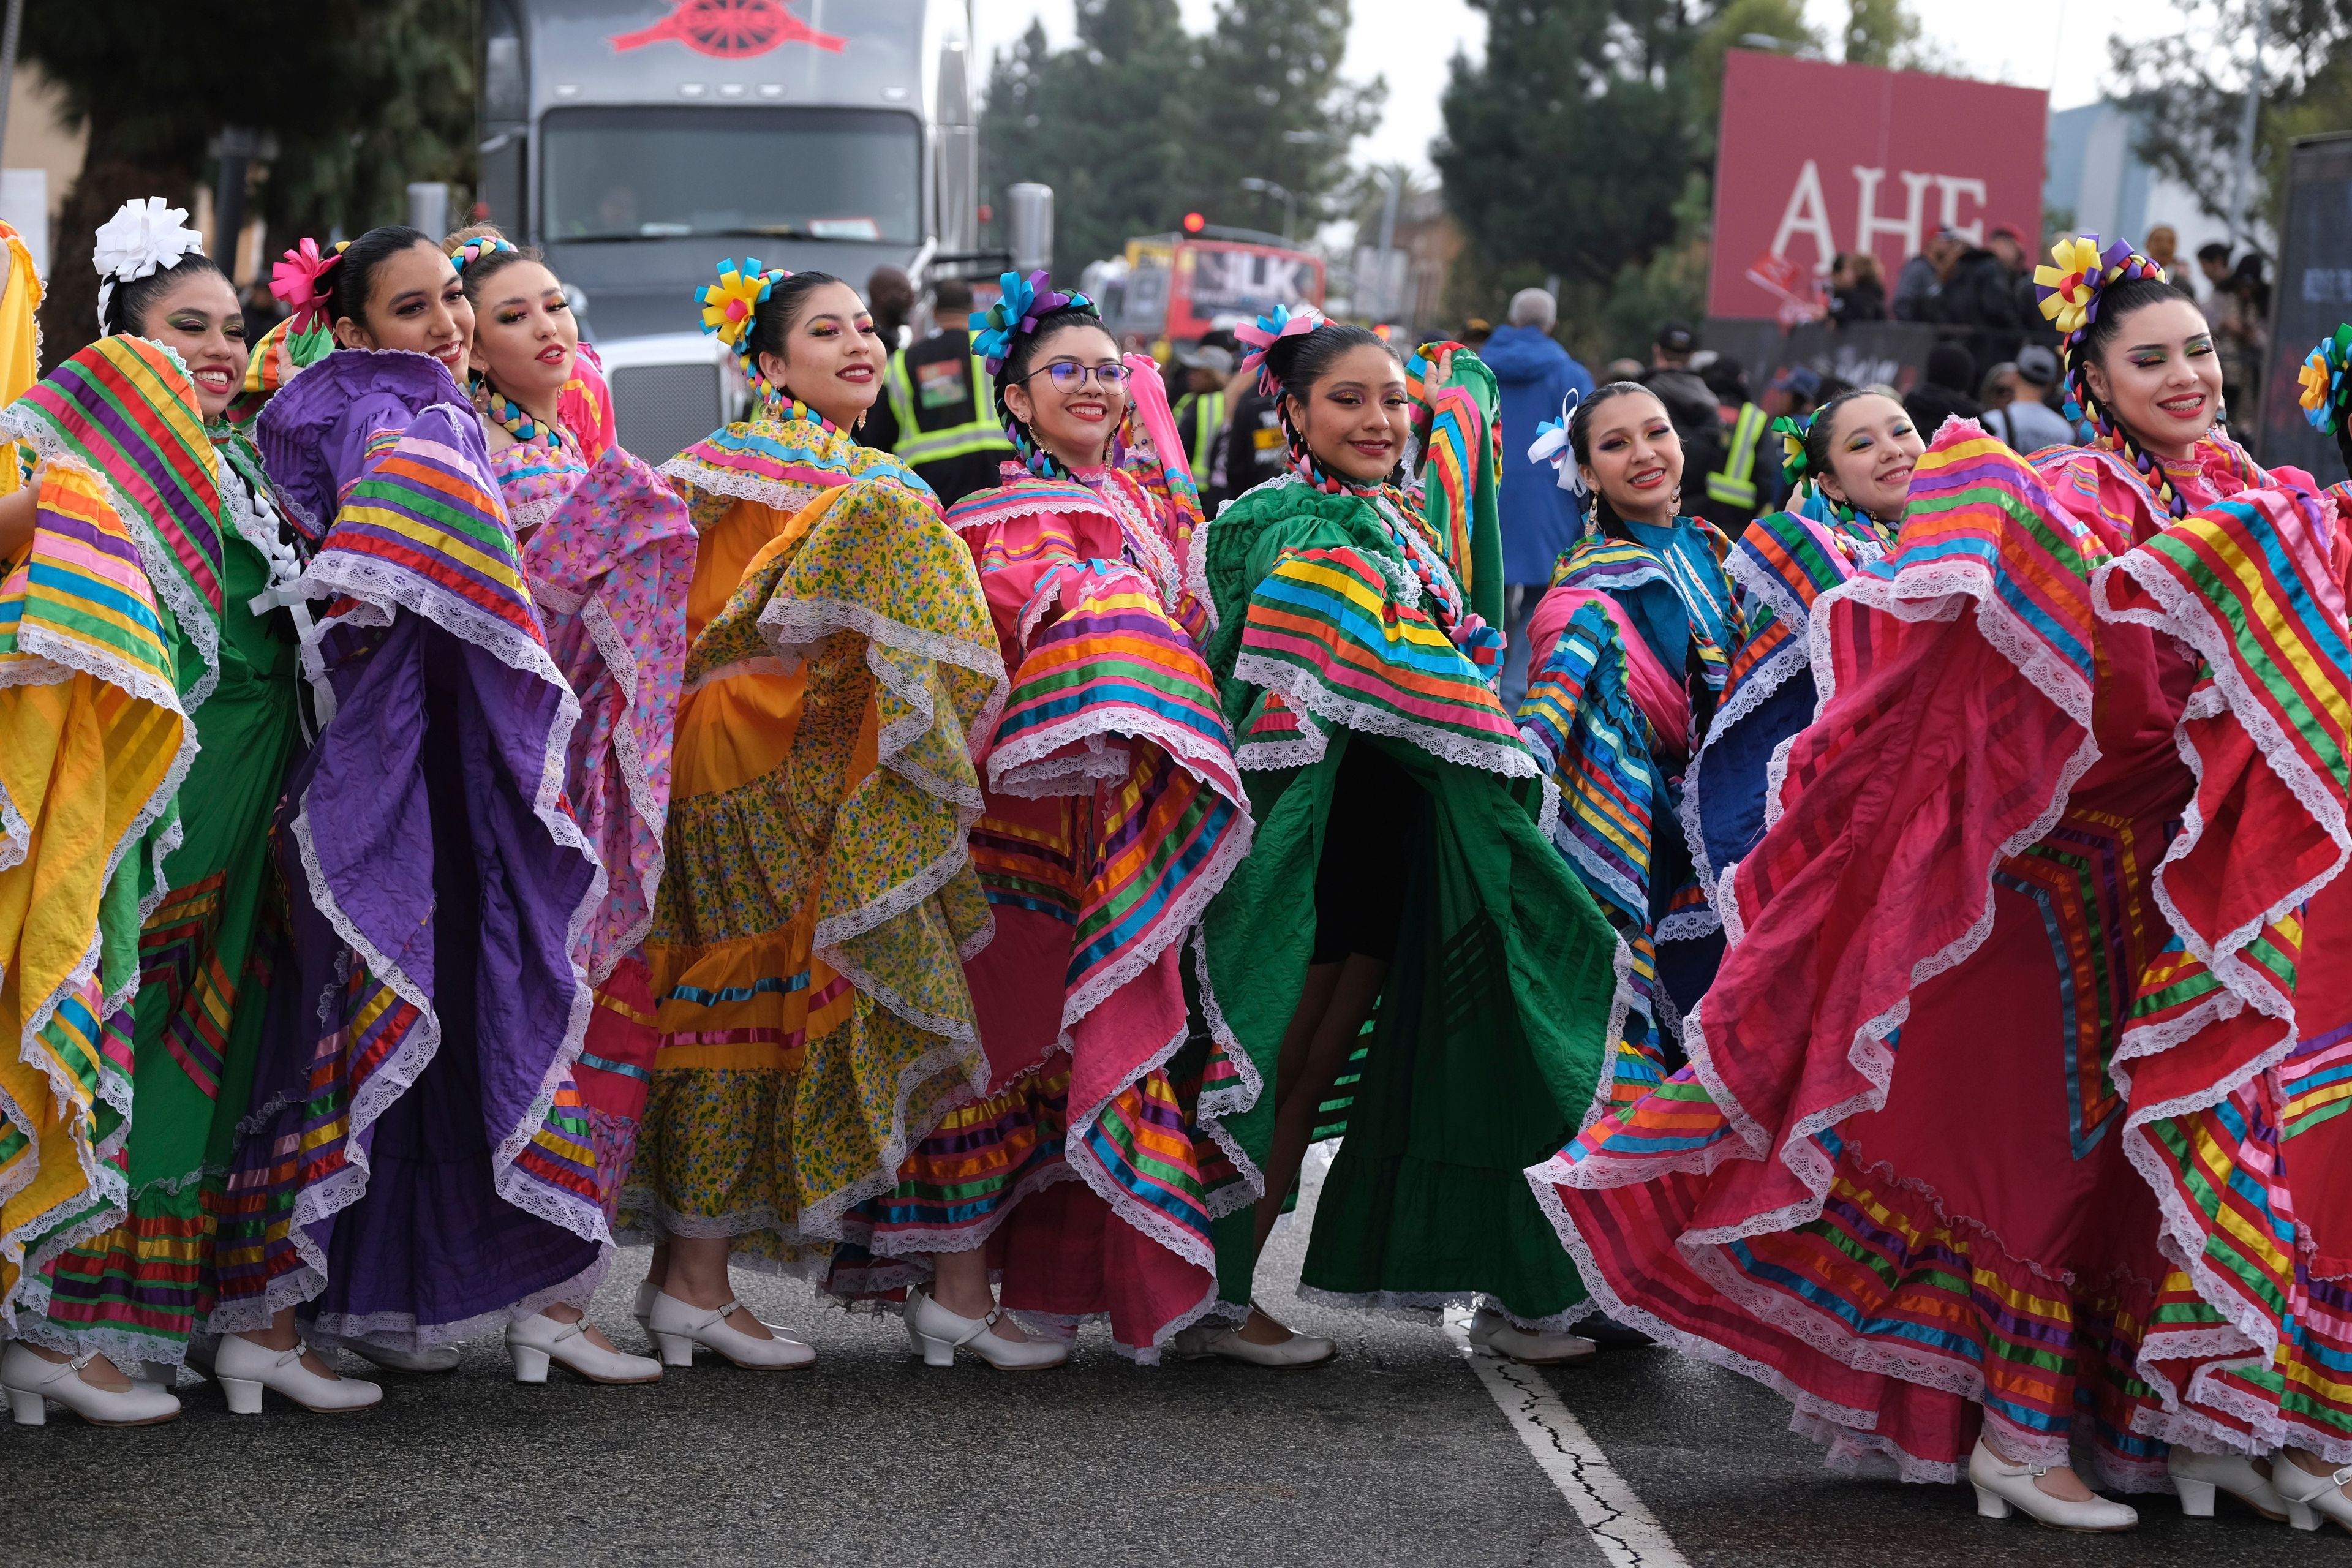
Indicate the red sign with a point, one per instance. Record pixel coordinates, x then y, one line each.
1819 159
729 29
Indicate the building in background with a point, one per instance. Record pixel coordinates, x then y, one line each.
41 159
2094 175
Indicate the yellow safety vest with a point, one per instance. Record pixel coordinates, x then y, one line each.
1204 434
916 444
1734 483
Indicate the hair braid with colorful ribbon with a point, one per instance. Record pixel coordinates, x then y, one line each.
999 332
2071 293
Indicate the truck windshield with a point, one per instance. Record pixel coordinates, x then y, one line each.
671 173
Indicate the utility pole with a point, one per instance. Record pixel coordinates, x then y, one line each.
2241 178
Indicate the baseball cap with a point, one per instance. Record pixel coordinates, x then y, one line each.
1207 356
1799 379
1677 338
2037 365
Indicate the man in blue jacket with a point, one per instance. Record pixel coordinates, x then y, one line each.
1538 517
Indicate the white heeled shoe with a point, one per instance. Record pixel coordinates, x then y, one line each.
540 1339
33 1380
2311 1498
939 1334
642 1309
2001 1486
2196 1477
1202 1341
1489 1330
679 1327
243 1369
425 1362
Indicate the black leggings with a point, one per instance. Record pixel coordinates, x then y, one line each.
1360 879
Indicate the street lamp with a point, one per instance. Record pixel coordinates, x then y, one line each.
1290 203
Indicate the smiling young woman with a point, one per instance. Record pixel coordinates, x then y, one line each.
817 897
111 1273
1628 656
435 877
1110 812
1999 1104
1400 859
609 551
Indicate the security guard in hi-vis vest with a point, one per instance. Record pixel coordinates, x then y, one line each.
936 411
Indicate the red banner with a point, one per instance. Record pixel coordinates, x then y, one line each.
1818 159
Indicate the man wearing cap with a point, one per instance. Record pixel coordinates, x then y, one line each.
1697 419
1200 412
2027 422
1537 378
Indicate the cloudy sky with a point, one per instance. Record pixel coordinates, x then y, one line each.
2061 45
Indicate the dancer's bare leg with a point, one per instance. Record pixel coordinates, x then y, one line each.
959 1283
698 1276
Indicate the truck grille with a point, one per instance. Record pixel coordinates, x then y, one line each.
662 408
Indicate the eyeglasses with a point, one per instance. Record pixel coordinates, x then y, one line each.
1069 377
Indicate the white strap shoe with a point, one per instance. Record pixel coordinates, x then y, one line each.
32 1380
243 1369
2197 1477
2001 1486
642 1309
540 1339
939 1334
1489 1330
2309 1498
434 1358
1202 1341
678 1327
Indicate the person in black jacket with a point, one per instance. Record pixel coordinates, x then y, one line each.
1945 391
1977 293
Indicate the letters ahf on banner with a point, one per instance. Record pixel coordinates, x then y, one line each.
1818 159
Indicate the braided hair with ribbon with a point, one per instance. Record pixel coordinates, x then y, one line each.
1007 336
480 253
1292 352
2086 295
2323 389
753 310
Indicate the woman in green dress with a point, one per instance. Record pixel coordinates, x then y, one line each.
1396 801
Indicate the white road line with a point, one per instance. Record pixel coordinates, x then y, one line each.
1629 1534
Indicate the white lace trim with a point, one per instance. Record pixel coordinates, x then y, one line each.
1184 1243
647 804
1214 1105
1303 691
402 1332
1622 1001
697 475
1762 683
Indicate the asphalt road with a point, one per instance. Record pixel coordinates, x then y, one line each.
1397 1453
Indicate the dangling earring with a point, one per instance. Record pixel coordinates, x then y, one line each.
861 420
478 389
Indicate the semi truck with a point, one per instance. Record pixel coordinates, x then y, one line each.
1171 289
638 141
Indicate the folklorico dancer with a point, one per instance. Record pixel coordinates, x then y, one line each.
818 897
124 615
2013 1089
428 1006
1393 798
1627 655
1111 813
1849 466
608 552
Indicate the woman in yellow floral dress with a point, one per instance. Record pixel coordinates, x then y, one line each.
818 897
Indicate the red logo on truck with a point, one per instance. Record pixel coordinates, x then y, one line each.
729 29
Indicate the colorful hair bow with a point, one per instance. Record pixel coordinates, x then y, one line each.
474 249
1270 329
143 238
1551 446
2325 382
729 305
1796 462
300 279
1016 312
2069 293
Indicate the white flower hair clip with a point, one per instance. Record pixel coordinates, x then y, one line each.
143 238
1550 446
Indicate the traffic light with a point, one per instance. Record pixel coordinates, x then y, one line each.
1195 223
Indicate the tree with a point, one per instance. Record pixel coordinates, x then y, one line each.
2190 90
1137 122
1882 33
361 96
